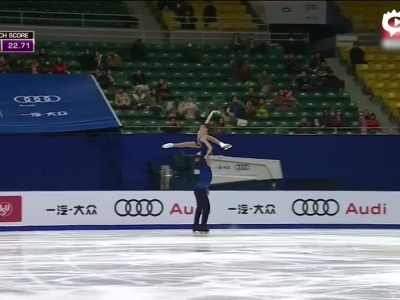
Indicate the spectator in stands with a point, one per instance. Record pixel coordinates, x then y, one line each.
236 108
153 97
189 109
324 68
284 101
233 72
96 74
173 126
373 124
42 56
162 90
154 102
209 13
316 61
251 96
45 68
325 120
333 83
139 80
189 54
320 82
102 78
111 78
291 65
33 66
4 67
18 67
362 120
304 127
251 45
357 55
99 59
245 72
220 125
265 82
187 19
261 110
139 50
303 82
122 100
87 61
139 99
249 110
338 119
60 67
113 61
174 109
237 44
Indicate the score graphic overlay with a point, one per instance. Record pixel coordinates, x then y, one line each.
17 41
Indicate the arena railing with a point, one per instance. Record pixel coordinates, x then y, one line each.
70 19
272 130
127 36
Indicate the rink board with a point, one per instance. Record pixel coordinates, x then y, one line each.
146 210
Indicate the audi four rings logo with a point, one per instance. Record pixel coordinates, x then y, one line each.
318 207
138 208
37 99
242 167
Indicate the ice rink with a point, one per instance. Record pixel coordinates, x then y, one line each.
175 265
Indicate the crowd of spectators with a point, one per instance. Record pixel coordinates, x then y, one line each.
317 77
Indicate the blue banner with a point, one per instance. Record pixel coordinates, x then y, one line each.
49 104
115 162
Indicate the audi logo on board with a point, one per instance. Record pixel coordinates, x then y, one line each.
315 207
37 99
138 208
242 167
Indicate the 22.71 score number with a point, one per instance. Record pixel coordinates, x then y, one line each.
17 46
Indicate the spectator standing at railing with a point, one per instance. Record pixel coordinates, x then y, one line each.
373 124
210 14
237 44
188 21
251 45
4 67
42 56
18 67
99 59
138 50
87 61
45 68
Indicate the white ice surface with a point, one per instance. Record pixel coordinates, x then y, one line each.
226 265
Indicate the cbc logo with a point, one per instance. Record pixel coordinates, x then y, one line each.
318 207
138 208
242 167
37 99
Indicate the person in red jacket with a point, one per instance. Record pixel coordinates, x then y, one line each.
373 124
60 67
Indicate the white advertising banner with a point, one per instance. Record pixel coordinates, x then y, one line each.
291 12
174 209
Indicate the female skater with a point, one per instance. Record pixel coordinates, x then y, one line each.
201 190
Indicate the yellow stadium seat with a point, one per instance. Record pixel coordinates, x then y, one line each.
382 77
371 49
378 88
375 67
389 68
395 76
390 96
392 86
370 57
362 69
381 57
